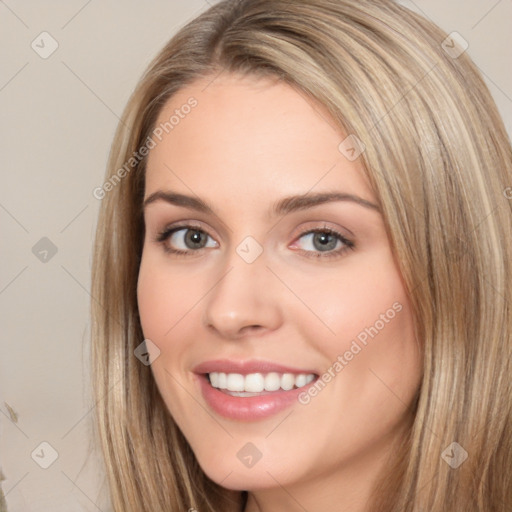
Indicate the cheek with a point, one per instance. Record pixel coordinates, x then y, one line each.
359 300
166 299
165 295
365 331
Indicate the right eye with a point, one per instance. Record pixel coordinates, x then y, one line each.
184 239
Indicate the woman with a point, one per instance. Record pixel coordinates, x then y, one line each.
302 269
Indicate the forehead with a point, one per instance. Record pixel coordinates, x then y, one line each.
257 134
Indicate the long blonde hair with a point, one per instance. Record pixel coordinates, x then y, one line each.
439 159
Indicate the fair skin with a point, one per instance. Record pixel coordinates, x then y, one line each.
247 144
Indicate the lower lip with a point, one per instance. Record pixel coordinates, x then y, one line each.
248 408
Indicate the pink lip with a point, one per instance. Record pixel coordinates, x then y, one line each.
245 367
246 408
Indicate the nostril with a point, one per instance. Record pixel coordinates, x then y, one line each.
251 328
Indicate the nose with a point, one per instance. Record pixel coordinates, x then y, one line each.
244 300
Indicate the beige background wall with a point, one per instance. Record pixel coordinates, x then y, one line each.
58 116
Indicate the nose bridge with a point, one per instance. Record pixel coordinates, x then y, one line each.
244 295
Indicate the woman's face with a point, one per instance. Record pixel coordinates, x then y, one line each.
280 283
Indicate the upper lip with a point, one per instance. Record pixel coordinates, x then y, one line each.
246 367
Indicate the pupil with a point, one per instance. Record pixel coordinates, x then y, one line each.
326 241
194 237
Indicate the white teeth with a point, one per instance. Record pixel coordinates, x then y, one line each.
300 380
272 381
258 382
223 381
254 382
235 382
214 379
287 381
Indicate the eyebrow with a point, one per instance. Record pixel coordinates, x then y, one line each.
282 207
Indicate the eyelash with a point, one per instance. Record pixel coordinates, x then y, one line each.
164 235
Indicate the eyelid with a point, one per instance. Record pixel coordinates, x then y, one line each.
184 224
315 225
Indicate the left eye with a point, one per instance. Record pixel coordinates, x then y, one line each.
186 238
324 241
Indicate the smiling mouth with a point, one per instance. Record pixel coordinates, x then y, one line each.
258 384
